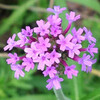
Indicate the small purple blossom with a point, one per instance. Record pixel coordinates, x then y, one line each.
89 36
54 82
13 58
65 42
28 31
18 70
57 10
42 61
71 18
28 63
51 71
33 51
70 70
42 28
89 68
74 50
11 43
55 31
92 50
23 40
85 61
54 20
77 35
54 56
43 43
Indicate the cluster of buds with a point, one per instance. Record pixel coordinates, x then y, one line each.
51 47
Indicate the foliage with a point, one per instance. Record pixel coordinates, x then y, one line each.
32 86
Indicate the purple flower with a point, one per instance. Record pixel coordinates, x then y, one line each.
91 49
43 28
13 58
89 68
77 35
70 70
71 18
11 43
54 57
55 31
33 51
57 10
42 61
18 70
74 50
23 40
65 42
28 63
89 36
28 31
43 44
54 82
85 61
54 20
51 71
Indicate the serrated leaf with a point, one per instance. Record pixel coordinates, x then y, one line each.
15 16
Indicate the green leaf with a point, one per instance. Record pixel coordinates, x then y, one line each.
33 97
95 95
16 15
93 4
2 94
20 84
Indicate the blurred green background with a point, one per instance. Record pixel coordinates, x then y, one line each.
16 14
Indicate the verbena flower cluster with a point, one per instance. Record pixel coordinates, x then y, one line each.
51 47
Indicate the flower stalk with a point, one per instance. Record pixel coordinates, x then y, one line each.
60 95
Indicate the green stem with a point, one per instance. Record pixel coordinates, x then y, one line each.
59 94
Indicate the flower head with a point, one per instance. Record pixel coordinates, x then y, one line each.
51 48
